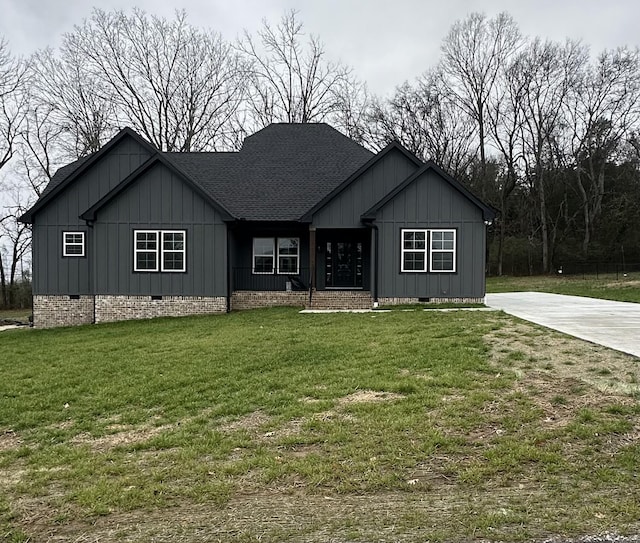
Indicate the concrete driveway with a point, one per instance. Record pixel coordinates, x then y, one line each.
612 324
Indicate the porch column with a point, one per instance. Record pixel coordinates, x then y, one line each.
312 256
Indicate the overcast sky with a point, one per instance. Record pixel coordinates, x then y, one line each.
385 42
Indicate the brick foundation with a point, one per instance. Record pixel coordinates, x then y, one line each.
53 311
120 308
253 299
403 301
341 299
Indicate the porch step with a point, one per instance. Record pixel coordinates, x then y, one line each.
340 299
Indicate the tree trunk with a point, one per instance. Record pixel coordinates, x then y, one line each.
501 234
544 226
3 286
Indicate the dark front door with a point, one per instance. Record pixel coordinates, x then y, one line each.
343 264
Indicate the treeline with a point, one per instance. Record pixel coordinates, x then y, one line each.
541 130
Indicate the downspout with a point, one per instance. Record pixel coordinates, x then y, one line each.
312 262
376 236
92 271
229 269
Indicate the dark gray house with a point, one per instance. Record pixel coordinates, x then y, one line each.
302 215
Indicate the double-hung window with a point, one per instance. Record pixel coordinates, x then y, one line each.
289 255
73 244
428 250
159 250
414 251
279 255
263 255
443 250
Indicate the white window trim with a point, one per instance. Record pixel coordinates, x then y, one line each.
160 250
136 250
403 250
66 244
183 250
297 255
452 251
253 257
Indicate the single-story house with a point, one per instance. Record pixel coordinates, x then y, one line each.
301 215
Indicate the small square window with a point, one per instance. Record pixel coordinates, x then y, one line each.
73 244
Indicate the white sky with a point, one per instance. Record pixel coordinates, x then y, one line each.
385 42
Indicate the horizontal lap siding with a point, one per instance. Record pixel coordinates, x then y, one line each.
160 200
431 202
53 273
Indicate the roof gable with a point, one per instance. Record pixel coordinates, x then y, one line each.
90 214
66 175
393 146
488 212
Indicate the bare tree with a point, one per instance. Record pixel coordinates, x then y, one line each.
71 102
602 111
506 121
546 71
289 79
13 105
473 53
17 241
427 123
176 84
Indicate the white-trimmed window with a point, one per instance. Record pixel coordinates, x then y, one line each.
289 255
443 250
73 244
263 255
173 251
159 250
279 255
414 251
432 250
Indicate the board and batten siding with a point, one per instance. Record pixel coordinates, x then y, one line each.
54 274
345 209
159 200
431 202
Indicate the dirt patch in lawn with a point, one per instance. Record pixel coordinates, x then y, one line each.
369 396
9 440
251 422
293 516
547 356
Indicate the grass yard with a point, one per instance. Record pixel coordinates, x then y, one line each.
609 287
273 426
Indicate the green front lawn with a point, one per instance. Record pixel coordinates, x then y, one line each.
270 425
609 287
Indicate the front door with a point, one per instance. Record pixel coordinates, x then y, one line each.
343 264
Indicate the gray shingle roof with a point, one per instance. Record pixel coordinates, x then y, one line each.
63 173
280 172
